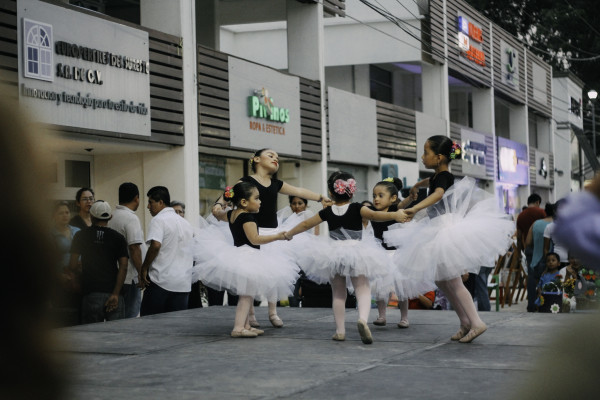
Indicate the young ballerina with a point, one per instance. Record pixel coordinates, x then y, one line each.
461 230
386 199
265 164
348 255
244 270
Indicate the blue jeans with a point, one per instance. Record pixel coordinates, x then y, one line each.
158 300
93 309
481 290
132 295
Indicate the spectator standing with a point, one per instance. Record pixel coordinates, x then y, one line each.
127 223
535 239
167 269
103 254
551 242
525 220
67 302
179 207
84 198
195 298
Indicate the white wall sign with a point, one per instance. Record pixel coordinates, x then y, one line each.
352 128
264 108
474 153
510 65
542 169
83 72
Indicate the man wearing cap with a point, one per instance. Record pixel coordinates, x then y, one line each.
104 257
167 268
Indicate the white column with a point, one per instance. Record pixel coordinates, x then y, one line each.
177 169
306 55
483 110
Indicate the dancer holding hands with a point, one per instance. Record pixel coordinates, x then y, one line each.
265 164
244 269
455 230
347 255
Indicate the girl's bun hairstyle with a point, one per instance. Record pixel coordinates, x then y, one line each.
341 185
240 191
440 144
393 185
257 154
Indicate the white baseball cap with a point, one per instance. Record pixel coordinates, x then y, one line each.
101 210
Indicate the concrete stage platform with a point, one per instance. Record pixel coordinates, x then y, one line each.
189 355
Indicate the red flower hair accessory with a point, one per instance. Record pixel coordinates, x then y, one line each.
228 193
455 153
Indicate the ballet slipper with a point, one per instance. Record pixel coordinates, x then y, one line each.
257 331
473 333
340 337
460 334
244 333
380 321
403 324
364 332
276 321
253 322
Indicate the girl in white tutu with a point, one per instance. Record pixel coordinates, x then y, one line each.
456 229
265 164
348 255
245 270
386 199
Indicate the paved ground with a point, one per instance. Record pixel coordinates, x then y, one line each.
189 355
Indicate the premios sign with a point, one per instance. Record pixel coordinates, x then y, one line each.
82 72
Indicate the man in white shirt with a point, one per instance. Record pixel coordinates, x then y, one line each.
167 269
126 222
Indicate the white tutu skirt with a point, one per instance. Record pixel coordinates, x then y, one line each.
321 258
404 287
244 270
461 233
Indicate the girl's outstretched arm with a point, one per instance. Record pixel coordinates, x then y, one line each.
251 231
429 201
304 194
382 216
304 226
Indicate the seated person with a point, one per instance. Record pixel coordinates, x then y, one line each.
550 274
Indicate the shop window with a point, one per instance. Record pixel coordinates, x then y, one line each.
215 173
77 174
381 84
126 10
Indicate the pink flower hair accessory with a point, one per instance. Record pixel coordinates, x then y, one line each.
341 186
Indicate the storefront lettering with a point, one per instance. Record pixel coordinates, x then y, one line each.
101 57
467 32
85 101
258 110
267 128
79 74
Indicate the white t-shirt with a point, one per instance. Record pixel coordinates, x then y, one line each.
127 223
172 268
559 248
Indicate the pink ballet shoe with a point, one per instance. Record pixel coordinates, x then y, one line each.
403 324
339 337
244 333
380 321
276 321
257 331
364 332
473 333
253 322
460 334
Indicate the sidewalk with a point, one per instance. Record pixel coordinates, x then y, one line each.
189 355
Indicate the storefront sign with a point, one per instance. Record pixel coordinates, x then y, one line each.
470 39
84 72
474 153
264 108
513 162
510 65
542 169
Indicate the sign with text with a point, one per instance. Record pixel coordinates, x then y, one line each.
510 65
474 153
264 108
470 40
82 72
